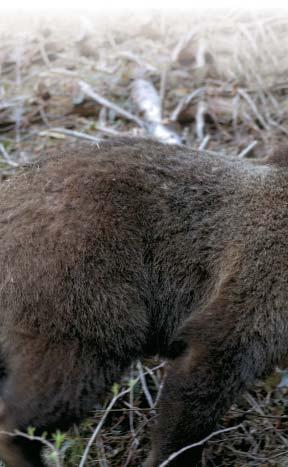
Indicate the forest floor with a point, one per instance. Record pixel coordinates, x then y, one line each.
216 81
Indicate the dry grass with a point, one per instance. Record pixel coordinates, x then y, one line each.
218 82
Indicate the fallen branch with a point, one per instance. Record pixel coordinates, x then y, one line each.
147 100
148 103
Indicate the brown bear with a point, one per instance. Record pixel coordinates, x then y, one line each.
132 248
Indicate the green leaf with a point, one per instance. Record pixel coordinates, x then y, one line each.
115 389
59 439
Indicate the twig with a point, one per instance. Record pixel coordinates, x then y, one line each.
36 438
247 149
235 109
185 102
204 143
200 120
265 106
7 157
145 387
75 134
163 85
131 412
280 127
135 58
151 374
284 453
43 116
102 118
133 446
248 120
250 399
265 33
99 426
199 443
200 55
129 408
275 103
107 411
111 131
61 71
245 31
102 461
19 108
43 52
247 455
253 106
159 392
86 88
181 44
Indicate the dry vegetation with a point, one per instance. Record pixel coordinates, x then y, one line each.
218 82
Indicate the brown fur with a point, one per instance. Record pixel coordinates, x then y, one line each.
135 248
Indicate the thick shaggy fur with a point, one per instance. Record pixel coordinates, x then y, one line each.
129 249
